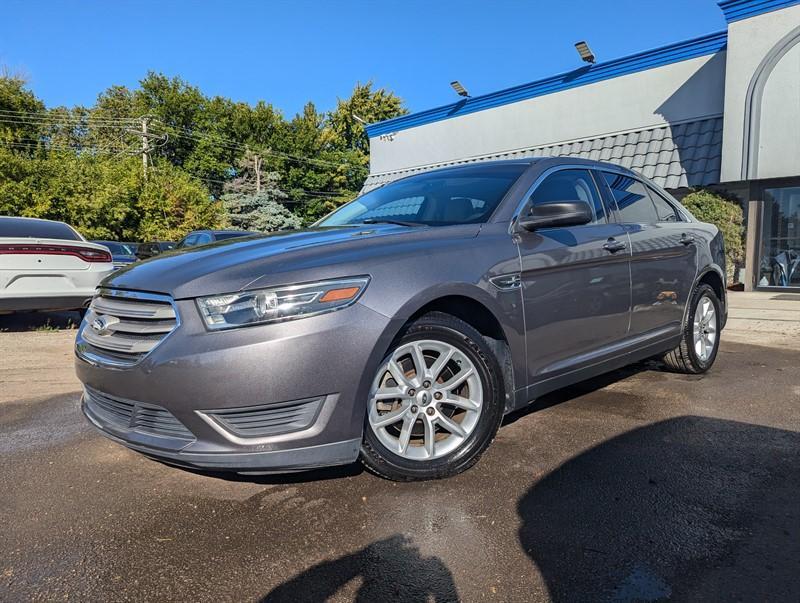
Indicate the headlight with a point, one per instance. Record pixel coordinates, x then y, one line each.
279 303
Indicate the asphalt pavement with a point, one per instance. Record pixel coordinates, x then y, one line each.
639 486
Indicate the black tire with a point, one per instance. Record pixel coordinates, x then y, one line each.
439 326
684 358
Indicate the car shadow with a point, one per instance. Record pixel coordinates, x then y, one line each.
688 508
297 477
389 570
20 322
579 389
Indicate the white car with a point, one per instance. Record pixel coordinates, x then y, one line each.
48 265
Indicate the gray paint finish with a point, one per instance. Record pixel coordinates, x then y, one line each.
581 310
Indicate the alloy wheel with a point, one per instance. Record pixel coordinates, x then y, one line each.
704 330
426 400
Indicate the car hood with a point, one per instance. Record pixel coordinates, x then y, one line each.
277 258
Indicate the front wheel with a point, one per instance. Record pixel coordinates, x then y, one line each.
700 341
435 403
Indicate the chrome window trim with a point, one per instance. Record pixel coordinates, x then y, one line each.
96 359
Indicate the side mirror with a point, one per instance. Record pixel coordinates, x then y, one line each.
557 213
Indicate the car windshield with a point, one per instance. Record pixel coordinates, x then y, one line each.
466 195
36 229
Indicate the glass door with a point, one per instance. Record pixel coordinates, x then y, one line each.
780 238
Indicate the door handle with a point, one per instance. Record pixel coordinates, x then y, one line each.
614 246
687 239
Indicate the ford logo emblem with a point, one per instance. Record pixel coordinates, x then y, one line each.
102 324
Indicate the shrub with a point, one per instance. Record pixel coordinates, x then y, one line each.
725 214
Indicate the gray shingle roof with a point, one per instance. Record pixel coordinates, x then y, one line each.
673 156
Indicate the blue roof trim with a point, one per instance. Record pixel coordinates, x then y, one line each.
666 55
736 10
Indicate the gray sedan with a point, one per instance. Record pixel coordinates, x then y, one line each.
404 326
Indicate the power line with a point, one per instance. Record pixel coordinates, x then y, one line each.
49 115
47 146
39 118
230 144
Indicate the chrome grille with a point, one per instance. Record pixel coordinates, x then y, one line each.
136 416
268 420
122 327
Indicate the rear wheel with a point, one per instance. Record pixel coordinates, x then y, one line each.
435 402
700 342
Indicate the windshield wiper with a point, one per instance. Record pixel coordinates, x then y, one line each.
390 221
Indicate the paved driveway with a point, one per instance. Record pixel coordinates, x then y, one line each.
641 485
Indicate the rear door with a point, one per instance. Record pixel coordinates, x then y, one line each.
663 255
575 281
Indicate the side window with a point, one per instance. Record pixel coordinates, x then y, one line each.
203 239
632 199
189 241
665 210
571 185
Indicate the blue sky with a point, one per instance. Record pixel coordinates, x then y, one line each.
290 51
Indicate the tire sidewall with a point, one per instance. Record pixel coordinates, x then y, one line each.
699 293
489 373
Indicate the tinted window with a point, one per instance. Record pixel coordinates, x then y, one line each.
116 248
188 241
36 229
202 239
570 185
465 195
664 209
632 199
221 236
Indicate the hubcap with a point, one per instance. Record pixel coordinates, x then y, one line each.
426 400
705 329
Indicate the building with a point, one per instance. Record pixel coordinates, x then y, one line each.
719 111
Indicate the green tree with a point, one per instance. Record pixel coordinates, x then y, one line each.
173 203
20 113
368 105
725 214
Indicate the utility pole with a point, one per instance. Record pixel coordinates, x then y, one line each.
257 162
145 147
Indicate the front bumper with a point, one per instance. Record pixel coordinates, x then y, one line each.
194 372
46 303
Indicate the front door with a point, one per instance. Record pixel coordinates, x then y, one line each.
575 281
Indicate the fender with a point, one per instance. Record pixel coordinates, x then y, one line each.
723 301
510 322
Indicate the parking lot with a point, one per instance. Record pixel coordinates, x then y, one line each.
640 485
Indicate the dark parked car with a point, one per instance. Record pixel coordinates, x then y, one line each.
204 237
121 253
148 250
404 326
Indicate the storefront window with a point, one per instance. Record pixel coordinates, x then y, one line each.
780 238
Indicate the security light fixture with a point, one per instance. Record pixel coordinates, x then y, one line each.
460 90
585 52
359 120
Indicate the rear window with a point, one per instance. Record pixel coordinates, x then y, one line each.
116 248
36 229
221 236
666 212
632 199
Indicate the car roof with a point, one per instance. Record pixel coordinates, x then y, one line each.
24 219
242 232
541 162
